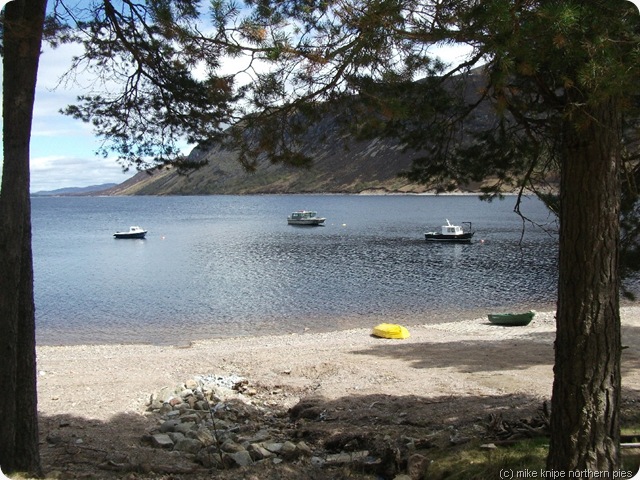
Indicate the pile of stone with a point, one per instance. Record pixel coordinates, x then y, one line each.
219 422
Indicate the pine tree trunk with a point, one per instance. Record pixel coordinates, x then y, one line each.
23 24
586 391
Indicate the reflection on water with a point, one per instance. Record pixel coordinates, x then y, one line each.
226 266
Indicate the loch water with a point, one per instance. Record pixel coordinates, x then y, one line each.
223 266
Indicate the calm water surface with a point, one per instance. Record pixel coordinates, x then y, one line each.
219 266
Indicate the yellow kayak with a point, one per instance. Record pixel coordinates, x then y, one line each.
390 330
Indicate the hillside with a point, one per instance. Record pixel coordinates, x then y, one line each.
365 166
341 164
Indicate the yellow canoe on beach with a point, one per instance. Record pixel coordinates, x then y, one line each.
390 330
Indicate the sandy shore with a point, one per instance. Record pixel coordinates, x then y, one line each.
468 358
446 379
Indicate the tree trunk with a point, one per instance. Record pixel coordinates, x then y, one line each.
23 24
585 431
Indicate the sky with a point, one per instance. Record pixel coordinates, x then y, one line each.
63 150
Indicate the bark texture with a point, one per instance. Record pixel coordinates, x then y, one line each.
586 389
23 24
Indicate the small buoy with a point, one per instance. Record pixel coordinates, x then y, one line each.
344 224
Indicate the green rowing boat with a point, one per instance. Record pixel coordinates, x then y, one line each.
511 319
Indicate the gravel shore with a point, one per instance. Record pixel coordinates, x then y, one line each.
96 397
455 358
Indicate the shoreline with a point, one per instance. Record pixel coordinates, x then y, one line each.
447 382
174 336
454 358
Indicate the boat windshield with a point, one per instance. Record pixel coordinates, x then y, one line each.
299 215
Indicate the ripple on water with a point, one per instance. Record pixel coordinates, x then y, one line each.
226 266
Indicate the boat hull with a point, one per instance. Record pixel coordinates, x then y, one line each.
314 222
511 319
121 235
439 237
390 330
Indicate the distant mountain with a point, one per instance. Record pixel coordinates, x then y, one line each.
70 191
361 166
341 164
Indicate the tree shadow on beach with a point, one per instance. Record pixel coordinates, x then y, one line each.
631 350
76 447
488 355
467 355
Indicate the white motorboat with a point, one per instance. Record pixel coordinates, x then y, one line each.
305 217
451 233
134 232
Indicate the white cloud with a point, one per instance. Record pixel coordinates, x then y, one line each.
53 172
63 149
453 54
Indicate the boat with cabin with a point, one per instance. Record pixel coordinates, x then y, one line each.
305 217
451 233
133 232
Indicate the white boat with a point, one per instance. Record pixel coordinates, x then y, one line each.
451 233
305 217
134 232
